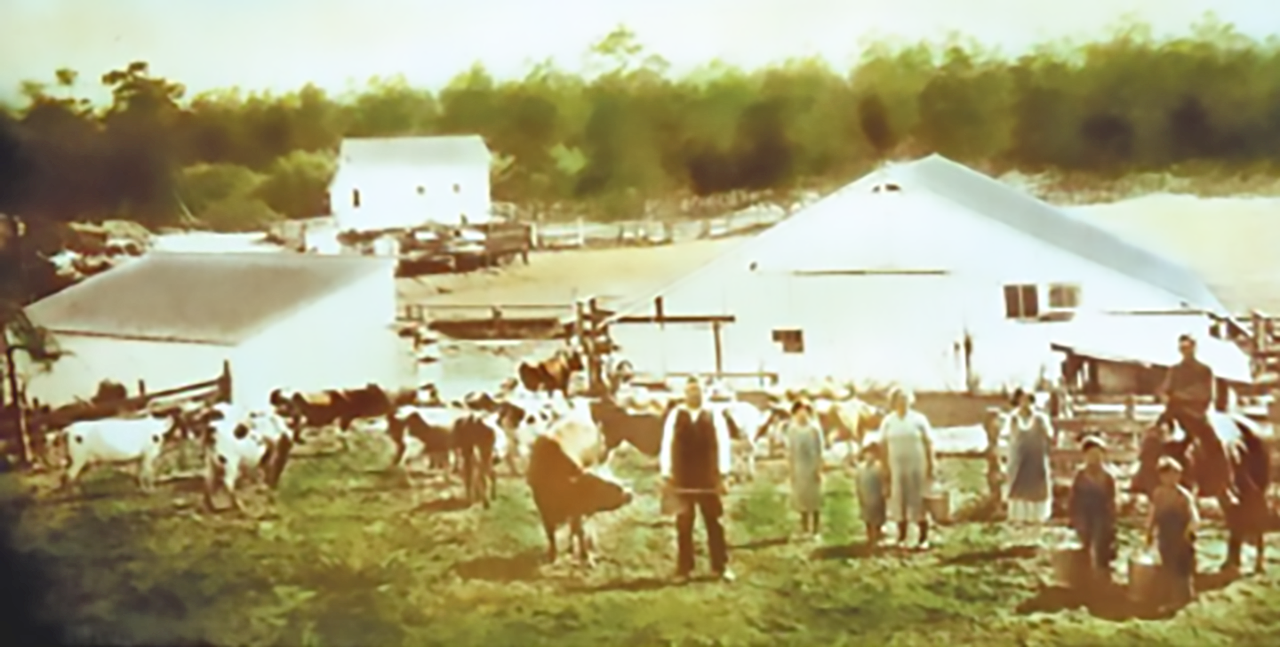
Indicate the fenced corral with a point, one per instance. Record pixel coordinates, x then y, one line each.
582 233
22 430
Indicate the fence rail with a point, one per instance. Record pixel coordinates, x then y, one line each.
651 232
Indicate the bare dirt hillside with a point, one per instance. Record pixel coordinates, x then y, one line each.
1234 243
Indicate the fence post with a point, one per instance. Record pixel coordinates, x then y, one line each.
992 426
224 382
715 331
142 388
582 233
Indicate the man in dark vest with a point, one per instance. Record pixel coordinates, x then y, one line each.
695 461
1189 392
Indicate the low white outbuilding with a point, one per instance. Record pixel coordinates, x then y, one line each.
171 319
926 274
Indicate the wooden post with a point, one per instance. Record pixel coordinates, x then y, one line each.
715 331
224 382
595 376
142 388
658 312
994 478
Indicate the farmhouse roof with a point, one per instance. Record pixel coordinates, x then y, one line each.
443 150
196 297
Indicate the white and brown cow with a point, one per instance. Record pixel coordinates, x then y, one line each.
570 481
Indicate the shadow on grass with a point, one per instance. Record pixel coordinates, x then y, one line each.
635 585
522 567
446 504
856 550
1111 601
979 557
759 544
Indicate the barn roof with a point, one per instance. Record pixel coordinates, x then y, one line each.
196 297
451 150
1068 231
812 233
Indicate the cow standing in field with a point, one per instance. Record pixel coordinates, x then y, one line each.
116 441
570 482
340 406
551 375
242 443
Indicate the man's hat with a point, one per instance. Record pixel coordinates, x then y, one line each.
1167 464
1093 441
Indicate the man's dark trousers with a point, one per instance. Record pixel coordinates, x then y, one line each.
711 508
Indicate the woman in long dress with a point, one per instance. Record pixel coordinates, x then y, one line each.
806 447
908 443
1030 437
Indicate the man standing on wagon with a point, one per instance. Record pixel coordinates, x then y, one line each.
1189 392
695 461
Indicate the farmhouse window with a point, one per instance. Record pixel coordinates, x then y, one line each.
792 340
355 197
1064 296
457 188
1021 301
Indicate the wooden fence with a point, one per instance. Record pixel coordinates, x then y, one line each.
582 233
20 428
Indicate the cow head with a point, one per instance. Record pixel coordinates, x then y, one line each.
600 491
572 359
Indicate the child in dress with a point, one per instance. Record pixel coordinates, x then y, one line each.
873 490
1171 527
1092 507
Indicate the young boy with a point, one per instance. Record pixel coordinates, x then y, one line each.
873 490
1092 507
1171 526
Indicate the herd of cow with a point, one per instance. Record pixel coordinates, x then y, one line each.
560 443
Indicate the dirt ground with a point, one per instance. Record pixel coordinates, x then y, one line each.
1234 243
347 555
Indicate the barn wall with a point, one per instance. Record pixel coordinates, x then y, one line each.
161 365
343 341
389 197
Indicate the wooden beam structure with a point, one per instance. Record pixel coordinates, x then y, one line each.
676 319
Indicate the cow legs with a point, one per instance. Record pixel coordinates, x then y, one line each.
1260 553
578 536
550 530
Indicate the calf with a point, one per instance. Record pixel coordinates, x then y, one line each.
551 375
570 483
240 443
418 432
118 441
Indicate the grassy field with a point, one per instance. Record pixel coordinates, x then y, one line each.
345 556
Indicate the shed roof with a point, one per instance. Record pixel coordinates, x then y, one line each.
197 297
1149 339
451 150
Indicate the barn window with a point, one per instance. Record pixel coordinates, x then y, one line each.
1064 296
792 339
457 188
355 197
1021 301
421 189
887 187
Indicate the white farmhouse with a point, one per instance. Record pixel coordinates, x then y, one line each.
926 274
404 182
172 319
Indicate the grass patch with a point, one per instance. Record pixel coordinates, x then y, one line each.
346 556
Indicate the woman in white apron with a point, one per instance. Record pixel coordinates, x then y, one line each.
1030 437
907 439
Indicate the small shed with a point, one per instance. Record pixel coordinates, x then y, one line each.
167 320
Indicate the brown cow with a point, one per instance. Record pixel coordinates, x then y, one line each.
341 406
1249 462
570 483
551 375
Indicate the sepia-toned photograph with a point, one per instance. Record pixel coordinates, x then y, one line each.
410 323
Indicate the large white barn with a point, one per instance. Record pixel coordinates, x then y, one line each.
927 274
405 182
171 319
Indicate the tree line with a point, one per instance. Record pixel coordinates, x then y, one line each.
631 133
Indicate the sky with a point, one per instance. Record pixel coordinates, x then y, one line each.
280 45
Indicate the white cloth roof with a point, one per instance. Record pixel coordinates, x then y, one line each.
1152 339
